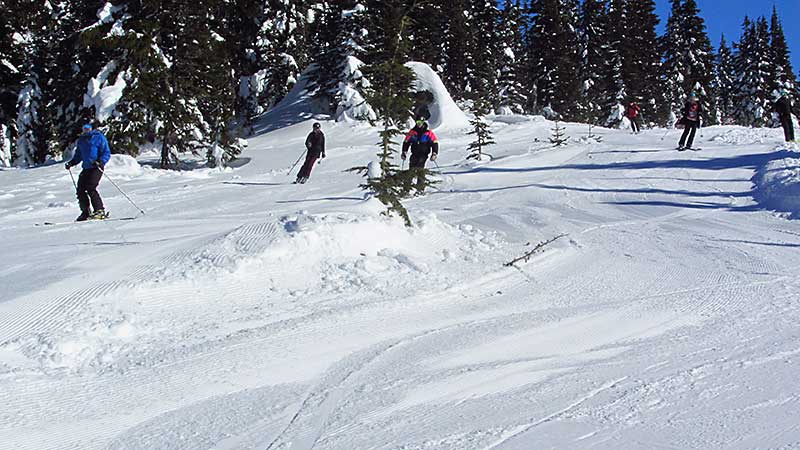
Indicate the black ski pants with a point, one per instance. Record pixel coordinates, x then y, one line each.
416 169
689 131
788 128
635 124
305 171
87 189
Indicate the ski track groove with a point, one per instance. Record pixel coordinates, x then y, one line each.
54 314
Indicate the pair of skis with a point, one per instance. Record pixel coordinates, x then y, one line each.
47 224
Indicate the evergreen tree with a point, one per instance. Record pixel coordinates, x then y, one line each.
782 75
480 129
485 37
32 121
673 43
554 57
753 64
337 45
427 35
558 137
614 92
688 60
594 58
390 96
280 51
457 55
511 99
700 60
641 66
173 64
725 83
11 77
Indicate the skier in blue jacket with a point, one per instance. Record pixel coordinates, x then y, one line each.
92 153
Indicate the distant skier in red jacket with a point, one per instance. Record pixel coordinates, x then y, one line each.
633 112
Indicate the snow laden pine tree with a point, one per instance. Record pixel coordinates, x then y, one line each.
725 83
458 57
12 54
485 38
753 64
614 92
481 131
34 40
169 78
552 47
688 60
391 98
510 95
782 75
641 59
602 90
338 45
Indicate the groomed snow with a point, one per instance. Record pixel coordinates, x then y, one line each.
246 312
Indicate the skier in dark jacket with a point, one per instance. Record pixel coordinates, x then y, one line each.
315 149
783 107
691 118
633 114
422 142
92 153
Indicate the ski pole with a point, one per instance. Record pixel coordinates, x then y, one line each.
120 190
296 162
665 134
73 179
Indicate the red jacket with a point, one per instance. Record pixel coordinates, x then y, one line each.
633 111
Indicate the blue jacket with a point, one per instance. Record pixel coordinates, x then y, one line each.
92 146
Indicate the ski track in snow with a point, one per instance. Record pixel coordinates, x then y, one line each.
243 312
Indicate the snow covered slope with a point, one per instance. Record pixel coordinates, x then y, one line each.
244 312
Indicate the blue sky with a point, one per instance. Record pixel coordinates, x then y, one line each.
726 16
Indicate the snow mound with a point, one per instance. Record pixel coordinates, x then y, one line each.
93 345
742 136
124 165
353 252
777 185
444 111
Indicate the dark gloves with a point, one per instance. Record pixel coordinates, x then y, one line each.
67 166
323 155
403 155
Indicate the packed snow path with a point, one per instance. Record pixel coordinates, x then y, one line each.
243 312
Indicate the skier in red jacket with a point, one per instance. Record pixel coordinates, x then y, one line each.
633 114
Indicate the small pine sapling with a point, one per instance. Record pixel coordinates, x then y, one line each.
558 138
388 184
593 137
481 130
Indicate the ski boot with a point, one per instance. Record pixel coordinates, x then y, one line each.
100 214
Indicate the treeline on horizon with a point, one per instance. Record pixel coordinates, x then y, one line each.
180 75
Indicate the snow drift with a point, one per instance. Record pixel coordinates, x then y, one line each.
777 185
444 111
